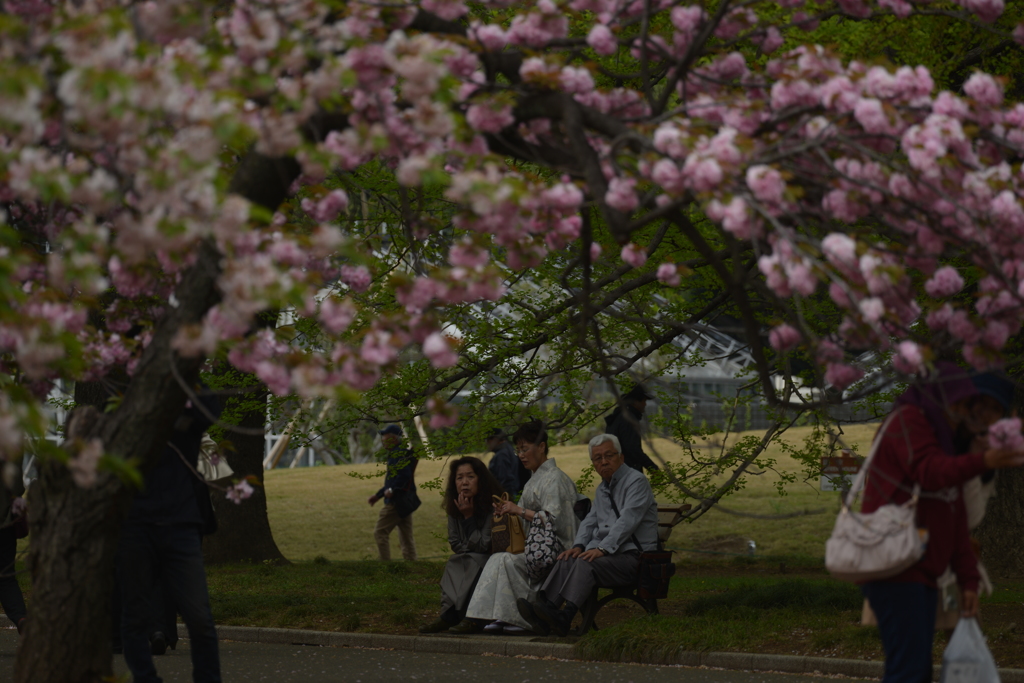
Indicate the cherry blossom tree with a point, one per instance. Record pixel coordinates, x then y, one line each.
171 171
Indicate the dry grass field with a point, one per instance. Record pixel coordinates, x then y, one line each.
322 511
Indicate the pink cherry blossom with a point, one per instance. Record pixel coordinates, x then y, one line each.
442 414
908 358
378 348
491 36
602 40
668 274
634 255
621 194
356 277
276 377
766 183
439 351
489 118
1006 434
840 249
987 10
946 281
239 491
576 80
328 208
984 89
446 9
773 40
336 315
784 338
841 375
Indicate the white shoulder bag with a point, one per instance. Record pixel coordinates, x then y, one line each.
875 545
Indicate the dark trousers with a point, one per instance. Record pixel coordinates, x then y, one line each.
10 592
572 580
173 555
906 621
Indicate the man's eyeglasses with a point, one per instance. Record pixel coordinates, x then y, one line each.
523 449
603 457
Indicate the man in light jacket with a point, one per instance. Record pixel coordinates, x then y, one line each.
606 551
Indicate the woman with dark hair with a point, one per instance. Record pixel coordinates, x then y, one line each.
468 502
927 443
504 578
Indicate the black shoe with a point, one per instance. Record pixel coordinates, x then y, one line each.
557 619
158 643
539 626
467 627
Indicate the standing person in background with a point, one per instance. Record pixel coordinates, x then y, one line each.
468 504
161 540
12 526
624 424
506 466
399 494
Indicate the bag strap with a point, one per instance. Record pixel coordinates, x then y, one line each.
615 509
858 483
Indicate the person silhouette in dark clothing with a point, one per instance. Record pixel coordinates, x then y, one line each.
506 466
624 423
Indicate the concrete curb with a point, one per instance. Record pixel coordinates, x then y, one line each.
481 645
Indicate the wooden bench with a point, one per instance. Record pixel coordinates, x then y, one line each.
668 517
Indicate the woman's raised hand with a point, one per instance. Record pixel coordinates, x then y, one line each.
507 507
465 505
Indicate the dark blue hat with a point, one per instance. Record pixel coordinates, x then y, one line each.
996 385
392 429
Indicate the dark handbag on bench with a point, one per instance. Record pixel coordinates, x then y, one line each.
655 570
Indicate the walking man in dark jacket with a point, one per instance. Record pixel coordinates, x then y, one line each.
624 424
398 492
506 466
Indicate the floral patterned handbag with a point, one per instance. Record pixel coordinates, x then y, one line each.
542 546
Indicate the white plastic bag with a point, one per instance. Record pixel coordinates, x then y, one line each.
967 659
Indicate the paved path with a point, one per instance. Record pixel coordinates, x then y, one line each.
309 664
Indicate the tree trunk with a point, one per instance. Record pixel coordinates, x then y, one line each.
999 532
71 558
243 531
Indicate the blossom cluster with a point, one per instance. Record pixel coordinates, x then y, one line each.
119 173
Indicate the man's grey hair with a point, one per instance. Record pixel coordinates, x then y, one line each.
604 438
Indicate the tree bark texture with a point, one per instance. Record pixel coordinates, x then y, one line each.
243 531
71 558
1000 531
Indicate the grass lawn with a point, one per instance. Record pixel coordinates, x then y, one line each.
740 605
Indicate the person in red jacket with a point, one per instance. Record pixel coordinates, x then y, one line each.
926 443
